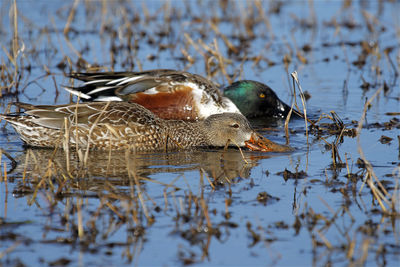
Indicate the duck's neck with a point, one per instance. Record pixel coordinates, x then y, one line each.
183 135
238 93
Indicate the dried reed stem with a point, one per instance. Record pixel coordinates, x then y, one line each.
91 130
208 179
15 42
10 249
287 124
224 38
81 232
25 167
370 172
221 62
66 144
324 239
296 79
205 212
5 172
240 149
132 174
70 17
115 210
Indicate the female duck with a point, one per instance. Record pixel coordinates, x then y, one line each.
124 125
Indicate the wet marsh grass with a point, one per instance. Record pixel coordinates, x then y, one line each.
67 183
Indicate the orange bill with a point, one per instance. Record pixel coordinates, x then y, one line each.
259 143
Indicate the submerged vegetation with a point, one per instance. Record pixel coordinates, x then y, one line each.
335 200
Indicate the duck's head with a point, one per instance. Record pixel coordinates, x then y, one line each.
255 99
234 129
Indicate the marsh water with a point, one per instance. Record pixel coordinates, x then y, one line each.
334 200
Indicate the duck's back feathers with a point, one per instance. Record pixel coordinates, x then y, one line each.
170 94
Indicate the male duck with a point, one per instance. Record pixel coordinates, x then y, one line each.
180 95
124 125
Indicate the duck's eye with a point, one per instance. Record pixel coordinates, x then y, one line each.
261 95
235 125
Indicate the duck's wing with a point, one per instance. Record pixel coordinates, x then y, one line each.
121 86
46 116
86 115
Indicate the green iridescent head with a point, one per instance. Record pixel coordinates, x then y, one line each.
255 99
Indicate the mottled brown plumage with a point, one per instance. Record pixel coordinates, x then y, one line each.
123 125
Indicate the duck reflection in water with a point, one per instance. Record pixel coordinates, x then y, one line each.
116 167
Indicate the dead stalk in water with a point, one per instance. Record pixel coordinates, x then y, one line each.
115 210
324 239
287 125
14 163
224 38
71 17
66 143
387 55
379 193
25 167
85 161
267 23
15 42
79 202
10 249
5 172
202 171
205 212
240 149
295 78
194 44
134 180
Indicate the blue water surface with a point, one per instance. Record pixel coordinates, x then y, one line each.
306 221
